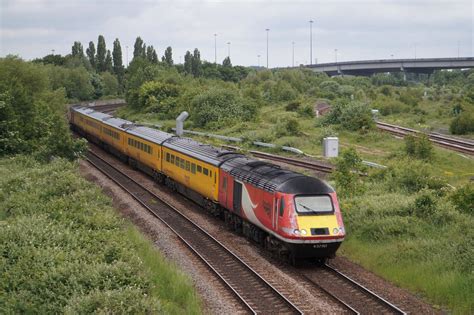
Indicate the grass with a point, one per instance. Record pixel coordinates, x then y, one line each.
64 250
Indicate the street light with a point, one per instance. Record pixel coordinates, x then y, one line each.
391 56
293 55
458 47
335 54
215 49
258 58
267 30
126 49
228 49
311 42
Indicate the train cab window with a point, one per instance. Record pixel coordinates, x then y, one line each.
282 206
181 163
188 166
172 158
199 169
193 168
313 204
205 171
168 158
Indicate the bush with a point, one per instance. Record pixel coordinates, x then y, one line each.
348 167
293 106
306 111
462 124
425 204
289 127
412 176
217 107
463 198
419 147
356 116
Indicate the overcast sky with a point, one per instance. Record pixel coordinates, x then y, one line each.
359 30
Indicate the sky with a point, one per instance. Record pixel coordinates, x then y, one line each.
359 30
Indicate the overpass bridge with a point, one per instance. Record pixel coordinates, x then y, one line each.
369 67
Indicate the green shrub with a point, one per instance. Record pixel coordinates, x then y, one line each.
356 116
425 204
462 124
293 106
419 147
289 127
348 167
412 176
463 198
217 107
306 111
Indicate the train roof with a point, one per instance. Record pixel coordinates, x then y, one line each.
271 177
203 152
153 135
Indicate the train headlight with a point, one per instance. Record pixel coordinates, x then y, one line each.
303 232
335 231
296 232
341 230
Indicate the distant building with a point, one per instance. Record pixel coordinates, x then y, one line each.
321 108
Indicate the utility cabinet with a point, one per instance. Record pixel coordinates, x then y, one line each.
331 147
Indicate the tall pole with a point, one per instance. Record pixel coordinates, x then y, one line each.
267 29
52 50
215 49
415 51
228 49
311 42
293 55
335 54
126 49
258 58
458 48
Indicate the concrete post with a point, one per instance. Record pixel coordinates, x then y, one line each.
180 121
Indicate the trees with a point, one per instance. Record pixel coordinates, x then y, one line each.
196 63
91 55
151 54
101 54
108 62
139 48
227 62
77 50
188 63
117 58
168 57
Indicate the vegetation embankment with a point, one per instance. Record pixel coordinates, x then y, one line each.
409 222
63 249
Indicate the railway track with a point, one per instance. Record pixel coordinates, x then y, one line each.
456 144
348 293
107 108
312 165
256 294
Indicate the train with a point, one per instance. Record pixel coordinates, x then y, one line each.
295 216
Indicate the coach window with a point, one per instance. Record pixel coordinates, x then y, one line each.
199 169
193 168
188 166
168 157
181 163
282 206
172 158
177 161
224 183
205 171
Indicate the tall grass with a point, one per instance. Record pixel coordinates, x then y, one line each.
64 250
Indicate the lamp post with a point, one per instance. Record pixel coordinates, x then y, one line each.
293 55
267 30
215 49
311 42
126 52
458 48
228 49
258 58
335 54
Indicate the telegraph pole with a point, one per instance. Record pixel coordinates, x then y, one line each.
311 42
267 29
293 55
215 49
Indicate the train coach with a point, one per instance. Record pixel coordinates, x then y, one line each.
291 214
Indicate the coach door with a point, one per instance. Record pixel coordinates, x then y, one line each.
237 202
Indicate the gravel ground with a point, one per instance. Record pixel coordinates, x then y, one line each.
215 295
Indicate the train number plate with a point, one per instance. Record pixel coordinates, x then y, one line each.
320 245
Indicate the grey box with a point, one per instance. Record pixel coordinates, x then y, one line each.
331 147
